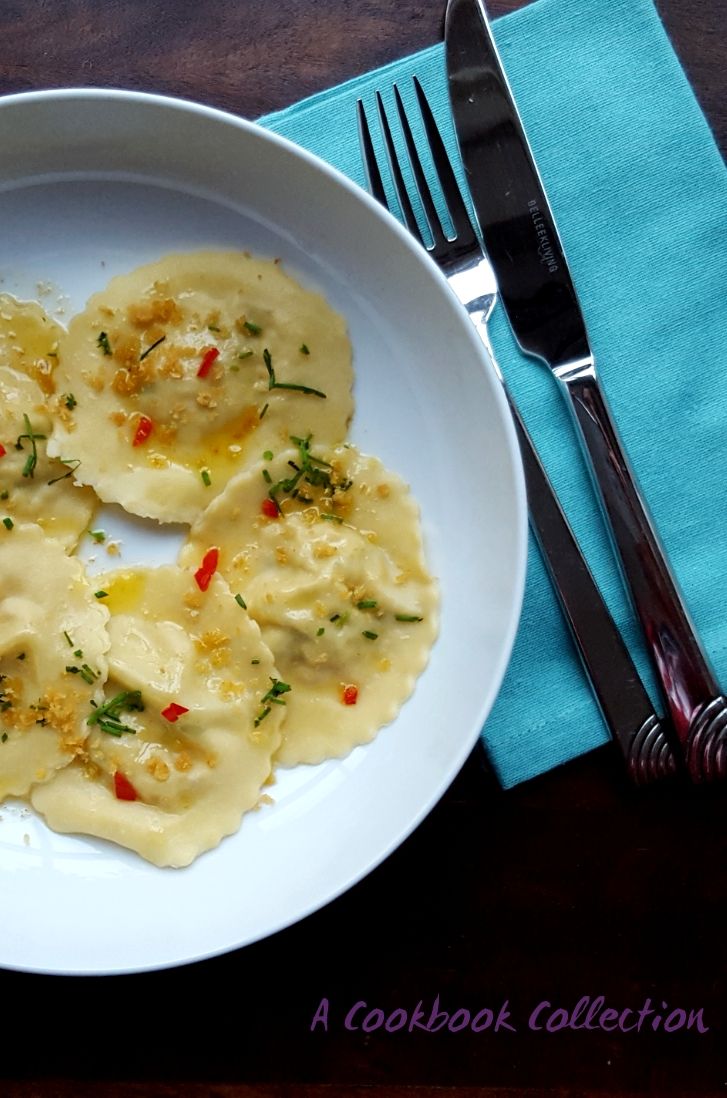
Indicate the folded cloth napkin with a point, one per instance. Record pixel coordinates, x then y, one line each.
639 193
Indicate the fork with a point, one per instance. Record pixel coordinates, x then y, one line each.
643 738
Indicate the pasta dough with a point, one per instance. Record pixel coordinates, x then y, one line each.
53 645
194 772
188 368
34 488
334 574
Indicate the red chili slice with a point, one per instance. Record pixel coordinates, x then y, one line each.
207 569
174 711
123 788
206 364
349 695
3 451
143 429
269 508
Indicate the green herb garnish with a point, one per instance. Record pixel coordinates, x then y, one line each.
304 349
369 635
149 350
103 343
32 459
253 329
274 384
367 604
407 617
69 400
108 716
241 602
100 594
73 462
99 536
84 671
8 523
206 478
272 698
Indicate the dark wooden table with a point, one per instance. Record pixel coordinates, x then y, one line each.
566 887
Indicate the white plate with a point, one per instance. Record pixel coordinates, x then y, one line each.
93 183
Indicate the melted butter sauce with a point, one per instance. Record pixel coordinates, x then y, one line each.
125 591
222 451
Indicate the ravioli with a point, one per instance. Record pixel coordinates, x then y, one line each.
325 548
186 369
34 488
184 743
53 645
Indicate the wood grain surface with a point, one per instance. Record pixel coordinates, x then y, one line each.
570 886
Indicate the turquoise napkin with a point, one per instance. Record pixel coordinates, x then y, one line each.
639 193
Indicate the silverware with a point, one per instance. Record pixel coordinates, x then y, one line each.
626 707
522 242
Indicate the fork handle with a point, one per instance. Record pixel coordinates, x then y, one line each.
623 701
698 711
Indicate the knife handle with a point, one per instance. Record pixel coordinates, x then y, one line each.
622 699
697 709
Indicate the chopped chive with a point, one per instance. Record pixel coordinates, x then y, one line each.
4 737
272 696
304 349
100 594
70 642
253 662
4 494
206 478
369 635
85 672
366 604
149 350
246 353
330 518
253 329
320 632
407 617
78 653
213 328
99 536
265 408
268 455
334 617
73 462
241 602
70 401
107 716
8 523
274 384
266 477
32 459
20 656
103 343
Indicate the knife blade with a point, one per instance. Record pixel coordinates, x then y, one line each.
539 297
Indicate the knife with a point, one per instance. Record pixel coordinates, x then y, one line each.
536 289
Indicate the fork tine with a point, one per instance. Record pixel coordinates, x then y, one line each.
450 188
399 185
371 165
425 194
